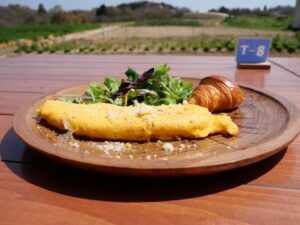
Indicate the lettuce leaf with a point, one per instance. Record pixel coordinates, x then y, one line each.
154 87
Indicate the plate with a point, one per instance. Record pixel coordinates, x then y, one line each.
267 123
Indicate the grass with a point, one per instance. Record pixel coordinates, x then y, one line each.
192 45
34 31
168 22
291 45
258 22
201 44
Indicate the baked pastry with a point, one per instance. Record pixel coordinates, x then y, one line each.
217 93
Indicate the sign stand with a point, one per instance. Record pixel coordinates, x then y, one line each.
252 53
263 65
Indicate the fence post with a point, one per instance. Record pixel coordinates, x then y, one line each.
296 23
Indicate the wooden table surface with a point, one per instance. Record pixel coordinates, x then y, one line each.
35 190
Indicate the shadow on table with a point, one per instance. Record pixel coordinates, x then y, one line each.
50 175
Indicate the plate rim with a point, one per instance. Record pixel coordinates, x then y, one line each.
164 167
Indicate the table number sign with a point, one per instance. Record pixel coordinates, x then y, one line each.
253 52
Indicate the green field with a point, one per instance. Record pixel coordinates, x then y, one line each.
284 41
258 22
34 31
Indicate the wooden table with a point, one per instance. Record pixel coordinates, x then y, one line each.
35 190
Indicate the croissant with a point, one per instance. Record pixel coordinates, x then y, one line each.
217 93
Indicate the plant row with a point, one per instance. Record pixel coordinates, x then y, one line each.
166 45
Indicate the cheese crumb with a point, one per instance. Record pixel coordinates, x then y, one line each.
113 146
159 142
143 109
99 147
168 147
74 144
128 145
181 147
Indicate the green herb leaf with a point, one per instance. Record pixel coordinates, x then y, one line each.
112 84
66 99
156 89
132 74
118 101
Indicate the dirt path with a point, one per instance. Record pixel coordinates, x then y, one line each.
89 34
174 31
5 52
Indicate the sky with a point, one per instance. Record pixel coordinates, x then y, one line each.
194 5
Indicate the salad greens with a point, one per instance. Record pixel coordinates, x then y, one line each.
153 87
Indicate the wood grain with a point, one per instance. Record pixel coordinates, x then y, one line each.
100 199
35 189
34 86
125 59
280 170
11 101
291 64
5 125
41 74
267 125
285 174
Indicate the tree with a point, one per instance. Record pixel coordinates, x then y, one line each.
102 10
56 9
223 9
41 9
56 14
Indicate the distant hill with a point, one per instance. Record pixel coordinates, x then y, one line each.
13 15
138 10
17 15
278 11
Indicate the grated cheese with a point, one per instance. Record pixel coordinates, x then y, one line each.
168 147
74 144
185 102
113 146
181 147
143 109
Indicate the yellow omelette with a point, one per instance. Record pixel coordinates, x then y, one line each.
135 123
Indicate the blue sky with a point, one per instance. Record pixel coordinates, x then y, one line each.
195 5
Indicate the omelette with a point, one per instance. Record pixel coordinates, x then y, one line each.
136 123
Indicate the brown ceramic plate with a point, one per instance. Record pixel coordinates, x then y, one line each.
267 123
